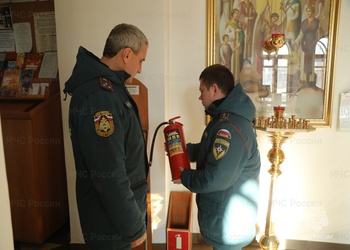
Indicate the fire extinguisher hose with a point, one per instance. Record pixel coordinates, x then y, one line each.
153 141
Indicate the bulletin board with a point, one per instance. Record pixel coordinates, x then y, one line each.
32 72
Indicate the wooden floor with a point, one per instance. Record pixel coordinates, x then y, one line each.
52 246
60 241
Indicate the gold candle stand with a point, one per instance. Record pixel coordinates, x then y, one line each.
278 129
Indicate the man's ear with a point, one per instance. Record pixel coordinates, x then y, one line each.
126 53
215 88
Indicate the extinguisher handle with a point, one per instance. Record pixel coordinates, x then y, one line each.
173 119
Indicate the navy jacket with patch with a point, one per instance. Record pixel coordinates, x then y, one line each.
227 172
110 155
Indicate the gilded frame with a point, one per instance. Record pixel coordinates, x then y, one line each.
327 10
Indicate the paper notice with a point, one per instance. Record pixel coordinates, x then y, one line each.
7 41
23 37
45 31
49 65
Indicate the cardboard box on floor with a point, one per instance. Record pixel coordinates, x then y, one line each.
179 226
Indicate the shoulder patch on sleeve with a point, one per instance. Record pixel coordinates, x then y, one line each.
220 148
104 125
224 133
106 84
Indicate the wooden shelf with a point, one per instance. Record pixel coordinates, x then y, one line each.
33 144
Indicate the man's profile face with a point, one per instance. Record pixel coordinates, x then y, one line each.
134 62
206 95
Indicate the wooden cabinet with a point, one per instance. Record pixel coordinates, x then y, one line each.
33 144
35 165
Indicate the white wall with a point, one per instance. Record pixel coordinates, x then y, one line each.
313 201
6 235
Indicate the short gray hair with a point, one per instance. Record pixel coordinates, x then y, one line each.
124 36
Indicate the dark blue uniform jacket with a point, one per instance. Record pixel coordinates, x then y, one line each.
227 173
110 155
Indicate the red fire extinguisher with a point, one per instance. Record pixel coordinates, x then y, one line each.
175 147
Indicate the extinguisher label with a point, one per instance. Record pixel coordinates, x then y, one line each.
178 241
174 143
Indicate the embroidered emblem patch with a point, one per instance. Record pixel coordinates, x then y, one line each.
224 133
224 117
106 84
220 148
104 125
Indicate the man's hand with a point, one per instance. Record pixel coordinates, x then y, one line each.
178 181
139 241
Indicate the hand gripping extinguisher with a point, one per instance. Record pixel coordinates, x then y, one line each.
175 147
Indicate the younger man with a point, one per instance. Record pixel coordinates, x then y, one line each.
226 178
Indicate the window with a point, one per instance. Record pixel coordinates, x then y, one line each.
275 70
320 61
281 72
